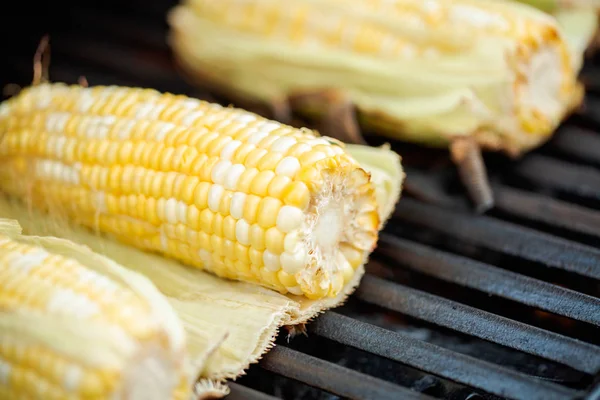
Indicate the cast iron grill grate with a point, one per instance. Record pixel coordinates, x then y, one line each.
454 305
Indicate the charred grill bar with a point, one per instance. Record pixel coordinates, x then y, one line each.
454 305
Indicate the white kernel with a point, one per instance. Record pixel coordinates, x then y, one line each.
164 240
163 131
205 257
269 126
190 103
125 132
219 171
293 262
288 166
295 290
56 122
283 144
65 301
189 119
29 261
215 194
257 137
171 211
271 261
245 118
236 208
86 101
4 109
291 242
289 218
233 176
302 148
182 211
229 149
72 378
242 232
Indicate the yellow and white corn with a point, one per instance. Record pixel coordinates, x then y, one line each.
217 188
427 71
76 325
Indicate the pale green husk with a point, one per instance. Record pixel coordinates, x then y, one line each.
466 92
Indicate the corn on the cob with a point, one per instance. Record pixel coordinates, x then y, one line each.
425 71
76 325
218 188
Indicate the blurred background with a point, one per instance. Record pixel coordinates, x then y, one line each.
506 300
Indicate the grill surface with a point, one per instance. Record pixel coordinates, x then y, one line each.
454 306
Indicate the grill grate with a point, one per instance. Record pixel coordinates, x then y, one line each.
453 305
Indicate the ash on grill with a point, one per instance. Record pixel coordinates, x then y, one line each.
454 305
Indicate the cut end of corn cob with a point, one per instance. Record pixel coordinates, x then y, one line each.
218 188
428 72
76 325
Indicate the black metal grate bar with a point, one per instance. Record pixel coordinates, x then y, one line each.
504 237
560 175
547 210
334 378
482 324
491 280
578 142
436 360
239 392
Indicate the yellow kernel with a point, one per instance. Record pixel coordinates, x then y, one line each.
150 211
216 243
204 240
269 277
269 161
206 221
201 195
197 165
274 240
242 268
261 182
278 185
251 208
256 257
168 185
241 253
311 177
254 157
297 195
228 249
193 217
225 203
268 210
257 237
242 152
217 225
206 170
286 279
245 181
229 227
188 188
215 147
352 254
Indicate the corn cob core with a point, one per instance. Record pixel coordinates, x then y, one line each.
218 188
69 331
441 68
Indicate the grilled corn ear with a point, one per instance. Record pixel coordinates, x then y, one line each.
76 325
423 71
217 188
